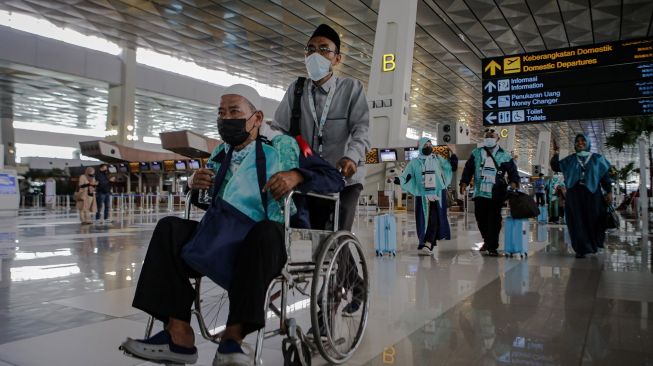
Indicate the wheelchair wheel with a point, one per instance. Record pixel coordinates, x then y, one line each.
339 297
211 308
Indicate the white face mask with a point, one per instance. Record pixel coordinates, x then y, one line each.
490 142
317 66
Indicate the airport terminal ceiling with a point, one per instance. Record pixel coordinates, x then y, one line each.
263 40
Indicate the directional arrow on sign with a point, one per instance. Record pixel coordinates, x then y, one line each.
490 87
490 118
490 102
492 67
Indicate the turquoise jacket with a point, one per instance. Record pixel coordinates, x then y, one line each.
553 185
415 168
241 190
596 169
474 165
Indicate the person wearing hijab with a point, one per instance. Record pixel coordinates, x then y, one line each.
489 165
86 203
586 179
427 178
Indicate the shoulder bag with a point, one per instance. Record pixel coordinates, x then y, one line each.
213 248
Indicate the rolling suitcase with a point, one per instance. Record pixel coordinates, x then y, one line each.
516 237
542 233
516 282
385 235
544 215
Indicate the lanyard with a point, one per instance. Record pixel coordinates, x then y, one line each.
325 112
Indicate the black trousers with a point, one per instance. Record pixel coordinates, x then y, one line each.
488 219
164 289
321 210
539 197
431 235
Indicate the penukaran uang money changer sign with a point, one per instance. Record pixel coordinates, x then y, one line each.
597 81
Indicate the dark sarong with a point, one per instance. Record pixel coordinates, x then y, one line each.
584 211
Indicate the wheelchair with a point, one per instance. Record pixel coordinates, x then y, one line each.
318 274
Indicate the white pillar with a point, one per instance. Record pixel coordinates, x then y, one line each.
390 77
643 178
543 150
388 90
122 100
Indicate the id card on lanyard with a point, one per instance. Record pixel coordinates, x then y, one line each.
319 124
429 180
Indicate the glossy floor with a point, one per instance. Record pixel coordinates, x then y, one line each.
66 290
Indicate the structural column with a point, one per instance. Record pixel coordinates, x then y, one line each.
542 157
7 140
390 77
388 90
122 101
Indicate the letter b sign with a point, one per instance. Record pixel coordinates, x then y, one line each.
388 62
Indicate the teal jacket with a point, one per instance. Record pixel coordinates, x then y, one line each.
241 189
596 169
412 179
473 168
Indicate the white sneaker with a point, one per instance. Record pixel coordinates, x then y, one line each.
425 251
232 359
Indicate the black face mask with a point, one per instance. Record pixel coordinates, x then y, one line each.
233 131
91 175
427 151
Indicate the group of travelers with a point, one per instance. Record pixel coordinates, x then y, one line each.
93 195
318 141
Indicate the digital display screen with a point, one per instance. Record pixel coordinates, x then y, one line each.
525 180
134 167
388 155
180 165
155 166
168 165
144 166
112 169
122 168
411 153
193 164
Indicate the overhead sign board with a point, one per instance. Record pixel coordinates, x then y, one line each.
604 80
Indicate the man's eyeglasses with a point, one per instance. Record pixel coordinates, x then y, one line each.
489 130
309 50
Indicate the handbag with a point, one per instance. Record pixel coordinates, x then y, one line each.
77 196
214 245
610 218
522 206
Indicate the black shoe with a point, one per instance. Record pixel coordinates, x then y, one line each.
493 253
578 255
483 248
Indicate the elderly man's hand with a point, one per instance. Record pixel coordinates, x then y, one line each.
201 179
282 183
347 166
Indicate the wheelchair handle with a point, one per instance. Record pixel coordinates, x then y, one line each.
332 197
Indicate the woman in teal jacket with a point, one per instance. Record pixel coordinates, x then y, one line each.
586 178
427 178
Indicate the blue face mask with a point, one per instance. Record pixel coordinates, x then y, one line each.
583 154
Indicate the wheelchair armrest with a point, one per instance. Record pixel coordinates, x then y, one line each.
335 197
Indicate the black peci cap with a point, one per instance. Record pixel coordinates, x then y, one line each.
327 32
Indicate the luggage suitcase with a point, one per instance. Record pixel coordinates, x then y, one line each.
516 234
544 215
542 233
516 282
385 235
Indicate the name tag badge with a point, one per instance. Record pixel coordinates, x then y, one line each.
429 180
489 175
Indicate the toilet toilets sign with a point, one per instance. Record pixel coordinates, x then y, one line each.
389 62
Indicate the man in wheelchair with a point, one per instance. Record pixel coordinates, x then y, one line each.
164 290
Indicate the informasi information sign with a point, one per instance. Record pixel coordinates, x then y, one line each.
603 80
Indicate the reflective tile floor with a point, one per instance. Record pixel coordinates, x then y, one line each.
65 295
